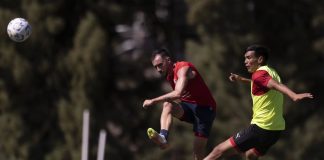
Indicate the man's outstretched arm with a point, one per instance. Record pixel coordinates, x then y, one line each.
235 77
272 84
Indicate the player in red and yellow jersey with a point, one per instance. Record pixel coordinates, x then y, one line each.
267 120
196 104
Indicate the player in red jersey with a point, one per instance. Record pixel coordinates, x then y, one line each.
196 104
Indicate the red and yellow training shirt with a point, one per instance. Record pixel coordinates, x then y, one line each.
267 103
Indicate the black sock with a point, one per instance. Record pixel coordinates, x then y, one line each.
165 133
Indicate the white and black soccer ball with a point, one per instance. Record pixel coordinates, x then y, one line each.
19 29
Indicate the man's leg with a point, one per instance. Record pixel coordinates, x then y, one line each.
223 149
251 155
199 147
169 109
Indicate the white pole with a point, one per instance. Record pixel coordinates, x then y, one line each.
85 134
101 145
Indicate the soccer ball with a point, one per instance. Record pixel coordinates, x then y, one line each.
19 29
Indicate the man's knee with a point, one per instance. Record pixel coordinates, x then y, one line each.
251 155
219 150
173 108
167 106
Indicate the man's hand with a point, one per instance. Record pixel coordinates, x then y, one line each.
301 96
147 103
234 77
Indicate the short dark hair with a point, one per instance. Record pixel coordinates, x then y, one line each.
259 50
162 51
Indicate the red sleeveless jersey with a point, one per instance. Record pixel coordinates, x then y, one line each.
199 92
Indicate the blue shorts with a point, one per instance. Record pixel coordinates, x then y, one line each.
202 118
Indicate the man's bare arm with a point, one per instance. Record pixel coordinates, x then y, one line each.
235 77
272 84
184 74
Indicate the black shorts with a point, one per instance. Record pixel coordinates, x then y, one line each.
255 138
202 118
